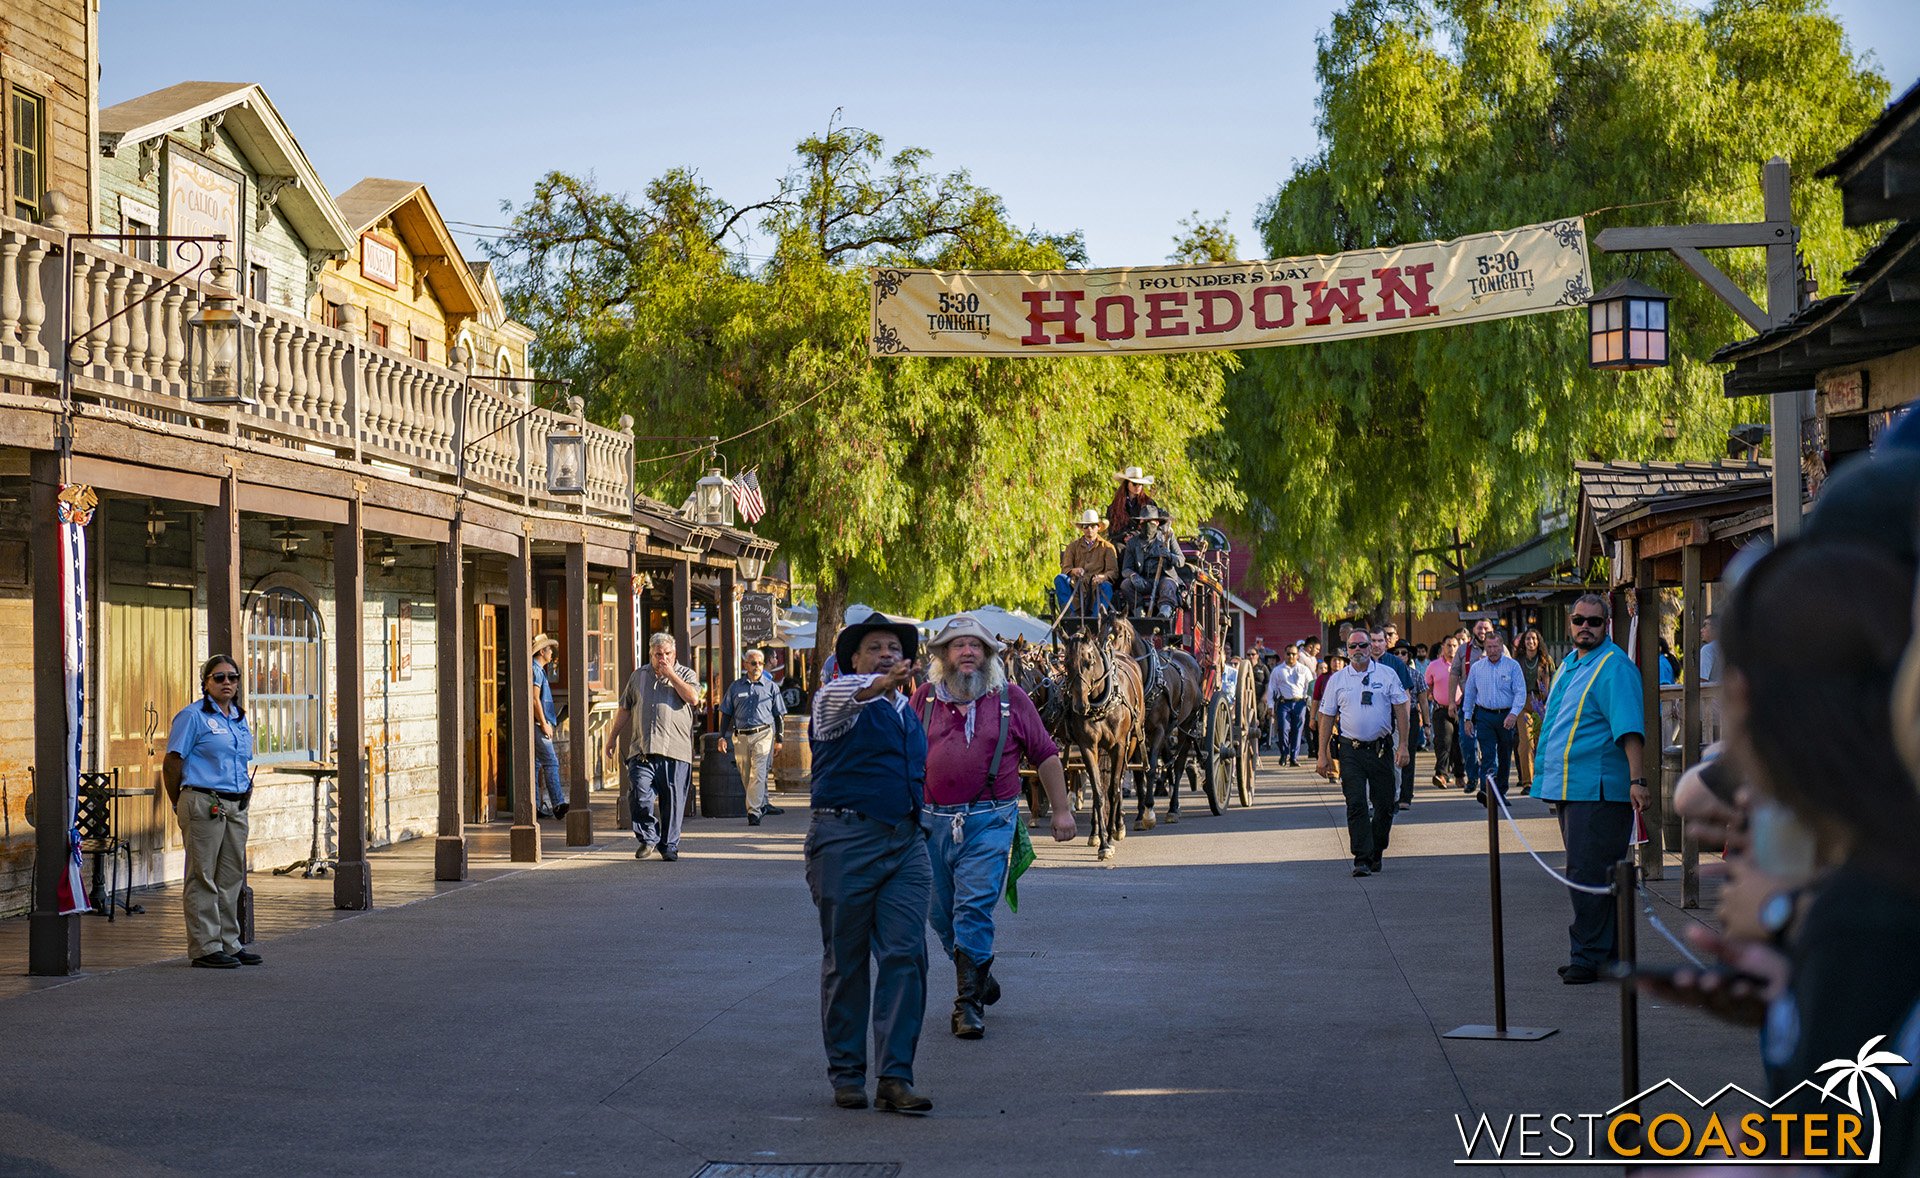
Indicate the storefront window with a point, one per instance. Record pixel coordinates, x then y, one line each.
286 668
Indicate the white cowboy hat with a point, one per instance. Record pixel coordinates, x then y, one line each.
542 641
1089 516
1134 474
964 626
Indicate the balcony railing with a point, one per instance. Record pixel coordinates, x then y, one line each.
320 390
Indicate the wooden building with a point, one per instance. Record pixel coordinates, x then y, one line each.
373 534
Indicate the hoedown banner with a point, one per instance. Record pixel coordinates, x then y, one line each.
75 505
1231 304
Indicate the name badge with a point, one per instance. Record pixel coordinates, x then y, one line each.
214 725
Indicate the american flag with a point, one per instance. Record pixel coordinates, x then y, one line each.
747 497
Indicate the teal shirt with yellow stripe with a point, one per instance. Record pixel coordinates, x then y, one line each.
1595 701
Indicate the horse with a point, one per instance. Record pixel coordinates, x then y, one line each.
1031 669
1173 689
1104 705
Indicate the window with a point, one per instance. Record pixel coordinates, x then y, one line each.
139 241
603 648
420 348
377 334
336 316
286 669
29 143
257 282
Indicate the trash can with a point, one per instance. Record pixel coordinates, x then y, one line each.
1669 781
793 767
722 793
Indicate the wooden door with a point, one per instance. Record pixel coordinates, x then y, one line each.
485 784
149 672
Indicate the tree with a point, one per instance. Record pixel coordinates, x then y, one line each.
919 483
1445 117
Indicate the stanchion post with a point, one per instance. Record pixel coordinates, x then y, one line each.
1624 924
1499 1029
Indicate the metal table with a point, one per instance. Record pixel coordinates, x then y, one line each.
316 863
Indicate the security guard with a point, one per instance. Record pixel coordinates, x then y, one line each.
209 750
1372 706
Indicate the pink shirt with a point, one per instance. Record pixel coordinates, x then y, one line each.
956 769
1440 682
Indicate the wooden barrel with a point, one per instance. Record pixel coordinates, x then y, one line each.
793 765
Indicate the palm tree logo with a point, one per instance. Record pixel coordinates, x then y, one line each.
1866 1064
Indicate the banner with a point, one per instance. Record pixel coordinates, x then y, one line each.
75 503
1194 308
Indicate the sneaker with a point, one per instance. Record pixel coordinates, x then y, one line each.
217 961
246 958
560 811
1362 868
772 811
670 856
644 852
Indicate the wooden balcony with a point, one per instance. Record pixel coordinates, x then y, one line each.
321 392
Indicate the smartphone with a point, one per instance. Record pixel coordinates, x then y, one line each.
1783 846
1668 973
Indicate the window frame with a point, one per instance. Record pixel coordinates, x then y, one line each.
24 208
278 716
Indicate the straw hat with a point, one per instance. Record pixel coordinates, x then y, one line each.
964 626
1089 516
543 641
1134 474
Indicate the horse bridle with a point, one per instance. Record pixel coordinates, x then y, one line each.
1096 708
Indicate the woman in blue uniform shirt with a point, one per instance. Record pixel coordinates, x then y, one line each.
208 774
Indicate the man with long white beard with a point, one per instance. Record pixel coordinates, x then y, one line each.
979 727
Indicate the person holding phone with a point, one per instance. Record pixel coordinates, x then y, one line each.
208 774
660 703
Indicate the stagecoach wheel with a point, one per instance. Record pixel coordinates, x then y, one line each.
1218 759
1249 737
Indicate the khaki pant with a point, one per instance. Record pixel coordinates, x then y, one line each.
1529 735
216 869
751 753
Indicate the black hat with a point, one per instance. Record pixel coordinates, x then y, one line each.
850 638
1872 501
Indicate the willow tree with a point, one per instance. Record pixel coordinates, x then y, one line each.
918 483
1439 118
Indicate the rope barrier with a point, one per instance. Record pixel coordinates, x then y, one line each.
1646 907
1488 789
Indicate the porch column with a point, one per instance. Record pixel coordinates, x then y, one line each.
1646 595
681 619
449 603
729 633
53 940
579 811
1690 604
353 878
626 660
524 840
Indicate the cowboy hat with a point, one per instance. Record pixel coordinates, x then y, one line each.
1089 516
1134 474
964 626
542 641
850 638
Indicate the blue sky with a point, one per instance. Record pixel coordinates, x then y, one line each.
1115 118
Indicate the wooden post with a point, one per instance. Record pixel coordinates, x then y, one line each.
53 940
579 812
450 605
729 633
222 523
1691 591
352 878
681 619
1646 594
628 660
523 840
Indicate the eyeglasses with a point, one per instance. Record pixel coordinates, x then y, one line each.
1360 646
1587 620
225 677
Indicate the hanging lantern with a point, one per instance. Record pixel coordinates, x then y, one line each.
386 555
157 522
288 540
752 563
221 336
1627 327
713 499
566 464
1427 581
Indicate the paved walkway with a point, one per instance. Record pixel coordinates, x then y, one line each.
1222 1000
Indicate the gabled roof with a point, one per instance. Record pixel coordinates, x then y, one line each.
423 231
1872 172
1609 490
257 130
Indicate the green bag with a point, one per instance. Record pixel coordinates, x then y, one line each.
1022 859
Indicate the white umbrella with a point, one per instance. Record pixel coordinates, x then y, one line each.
1005 623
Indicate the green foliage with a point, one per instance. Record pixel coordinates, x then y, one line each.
1445 117
917 483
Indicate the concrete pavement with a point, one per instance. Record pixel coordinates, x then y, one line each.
1222 1000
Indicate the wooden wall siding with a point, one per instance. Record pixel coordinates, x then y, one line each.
290 282
46 47
16 749
405 315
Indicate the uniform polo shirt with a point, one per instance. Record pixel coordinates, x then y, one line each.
1363 700
216 748
1595 701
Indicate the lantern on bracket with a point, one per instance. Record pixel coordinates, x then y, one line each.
713 499
1428 581
752 563
1627 327
566 463
223 369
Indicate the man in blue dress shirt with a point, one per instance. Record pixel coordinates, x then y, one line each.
1494 697
1588 765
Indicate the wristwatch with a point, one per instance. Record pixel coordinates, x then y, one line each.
1637 781
1776 915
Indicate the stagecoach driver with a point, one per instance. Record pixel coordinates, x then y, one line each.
979 728
1373 706
867 863
1148 569
1088 568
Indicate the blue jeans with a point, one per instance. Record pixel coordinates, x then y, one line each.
969 873
1293 715
870 883
1494 743
1063 589
658 784
546 765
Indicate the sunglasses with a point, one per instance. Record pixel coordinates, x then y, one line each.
1587 620
1359 646
224 677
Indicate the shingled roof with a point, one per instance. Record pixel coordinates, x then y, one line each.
1610 489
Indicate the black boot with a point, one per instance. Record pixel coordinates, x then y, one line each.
968 1021
989 985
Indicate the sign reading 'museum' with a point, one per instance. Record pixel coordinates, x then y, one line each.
1230 304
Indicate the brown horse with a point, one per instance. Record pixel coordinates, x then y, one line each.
1104 703
1029 666
1173 689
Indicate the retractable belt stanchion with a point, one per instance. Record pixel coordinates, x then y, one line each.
1499 1030
1624 939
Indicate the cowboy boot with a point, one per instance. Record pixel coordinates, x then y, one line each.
989 985
968 1021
